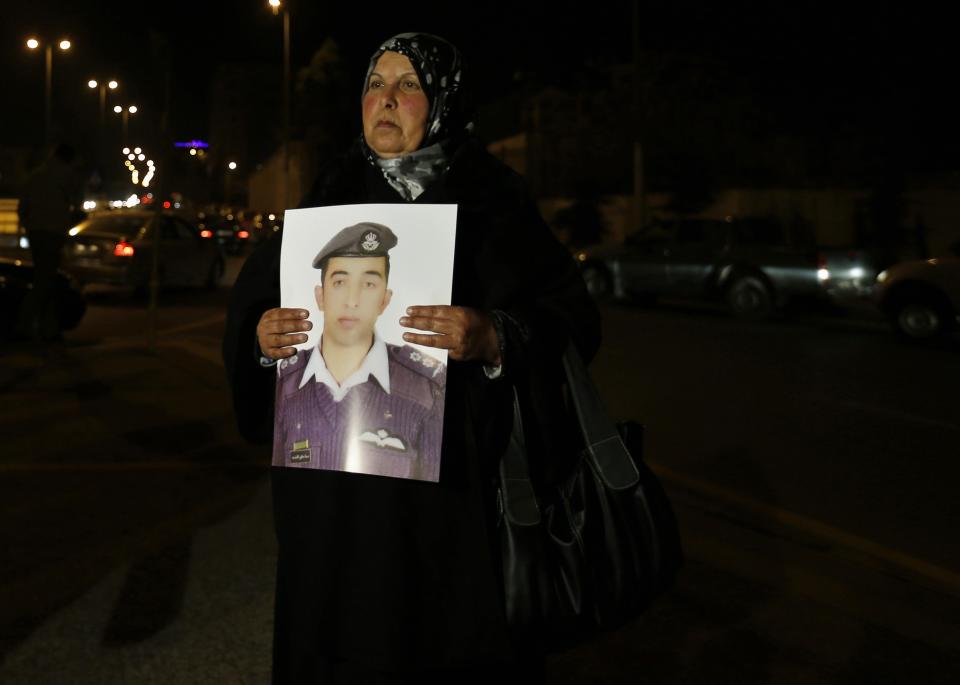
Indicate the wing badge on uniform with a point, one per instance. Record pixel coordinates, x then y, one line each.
383 438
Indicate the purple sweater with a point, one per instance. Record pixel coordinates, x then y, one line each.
369 431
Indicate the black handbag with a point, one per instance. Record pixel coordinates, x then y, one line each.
594 551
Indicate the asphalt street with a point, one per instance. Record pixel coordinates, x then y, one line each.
810 462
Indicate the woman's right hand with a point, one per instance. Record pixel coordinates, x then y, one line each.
278 330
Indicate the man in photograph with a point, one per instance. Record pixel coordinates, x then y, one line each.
353 402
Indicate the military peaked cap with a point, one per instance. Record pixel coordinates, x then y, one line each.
365 239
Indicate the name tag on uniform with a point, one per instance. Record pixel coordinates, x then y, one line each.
300 451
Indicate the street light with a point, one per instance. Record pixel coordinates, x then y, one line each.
33 43
93 84
125 113
227 181
277 6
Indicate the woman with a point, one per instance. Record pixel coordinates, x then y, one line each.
390 580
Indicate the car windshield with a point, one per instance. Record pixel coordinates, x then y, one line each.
120 225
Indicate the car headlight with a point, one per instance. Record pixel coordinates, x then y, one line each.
881 277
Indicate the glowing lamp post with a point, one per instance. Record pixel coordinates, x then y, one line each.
125 113
231 167
64 45
277 6
103 86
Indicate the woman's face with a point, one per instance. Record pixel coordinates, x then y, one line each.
395 107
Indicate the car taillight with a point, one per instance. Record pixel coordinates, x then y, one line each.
243 234
123 249
206 233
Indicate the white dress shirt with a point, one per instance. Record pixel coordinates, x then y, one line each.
375 364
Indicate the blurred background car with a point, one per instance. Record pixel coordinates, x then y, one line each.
921 297
117 248
16 281
235 230
225 232
750 263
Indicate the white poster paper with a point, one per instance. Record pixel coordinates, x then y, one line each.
356 397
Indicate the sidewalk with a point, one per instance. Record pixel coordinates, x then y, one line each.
142 552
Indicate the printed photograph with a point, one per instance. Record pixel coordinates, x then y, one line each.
356 397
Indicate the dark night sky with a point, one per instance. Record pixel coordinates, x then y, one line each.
891 67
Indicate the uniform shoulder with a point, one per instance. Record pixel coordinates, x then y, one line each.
419 363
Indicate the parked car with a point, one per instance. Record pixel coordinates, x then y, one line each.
16 280
226 231
921 297
117 248
747 262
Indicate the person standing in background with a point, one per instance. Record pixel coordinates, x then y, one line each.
49 204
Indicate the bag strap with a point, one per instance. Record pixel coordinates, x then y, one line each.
517 498
603 444
601 437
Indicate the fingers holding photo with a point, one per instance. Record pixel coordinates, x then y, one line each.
466 333
280 329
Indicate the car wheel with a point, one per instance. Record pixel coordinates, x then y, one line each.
215 273
599 283
748 297
919 320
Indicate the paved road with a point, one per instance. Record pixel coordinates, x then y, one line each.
137 535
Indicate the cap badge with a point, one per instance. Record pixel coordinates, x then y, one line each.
371 241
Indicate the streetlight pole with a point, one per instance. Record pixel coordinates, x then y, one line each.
279 7
639 203
286 108
227 177
48 93
64 45
124 113
102 85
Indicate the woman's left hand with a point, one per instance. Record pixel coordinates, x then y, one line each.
468 334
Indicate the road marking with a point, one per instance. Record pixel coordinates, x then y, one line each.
892 413
943 577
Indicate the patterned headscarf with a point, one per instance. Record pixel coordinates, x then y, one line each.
439 67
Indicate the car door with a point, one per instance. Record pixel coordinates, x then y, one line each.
643 265
178 253
198 253
691 257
